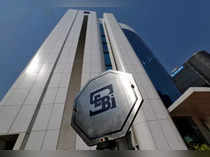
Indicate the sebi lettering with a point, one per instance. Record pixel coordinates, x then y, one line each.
103 100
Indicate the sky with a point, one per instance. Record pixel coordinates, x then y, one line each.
173 30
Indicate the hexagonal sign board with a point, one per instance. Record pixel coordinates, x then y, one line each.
106 107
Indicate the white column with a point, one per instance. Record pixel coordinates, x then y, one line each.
23 98
153 126
93 62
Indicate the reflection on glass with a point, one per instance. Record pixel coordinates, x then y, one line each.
156 72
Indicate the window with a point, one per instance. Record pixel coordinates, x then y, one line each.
103 36
86 12
7 142
107 59
105 48
108 67
189 131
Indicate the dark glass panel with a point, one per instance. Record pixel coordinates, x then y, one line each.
158 75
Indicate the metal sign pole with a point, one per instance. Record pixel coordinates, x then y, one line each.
123 143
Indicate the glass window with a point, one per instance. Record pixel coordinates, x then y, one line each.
158 75
189 131
108 67
107 60
103 36
105 47
86 12
103 39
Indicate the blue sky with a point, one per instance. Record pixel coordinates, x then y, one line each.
174 30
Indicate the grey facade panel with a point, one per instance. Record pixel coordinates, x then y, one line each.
33 81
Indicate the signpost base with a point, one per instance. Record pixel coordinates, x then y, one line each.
123 143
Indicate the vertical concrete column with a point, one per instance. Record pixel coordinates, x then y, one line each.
22 111
70 63
153 126
93 62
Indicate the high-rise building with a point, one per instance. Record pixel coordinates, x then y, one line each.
191 111
36 112
195 72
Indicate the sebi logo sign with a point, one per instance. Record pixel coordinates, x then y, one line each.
102 99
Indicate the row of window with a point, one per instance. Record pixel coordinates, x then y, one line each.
107 59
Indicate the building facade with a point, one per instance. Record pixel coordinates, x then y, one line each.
35 114
156 72
195 72
191 111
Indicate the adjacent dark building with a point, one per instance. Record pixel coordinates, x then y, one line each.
195 72
191 111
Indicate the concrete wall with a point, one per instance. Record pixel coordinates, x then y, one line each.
33 107
153 126
93 62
